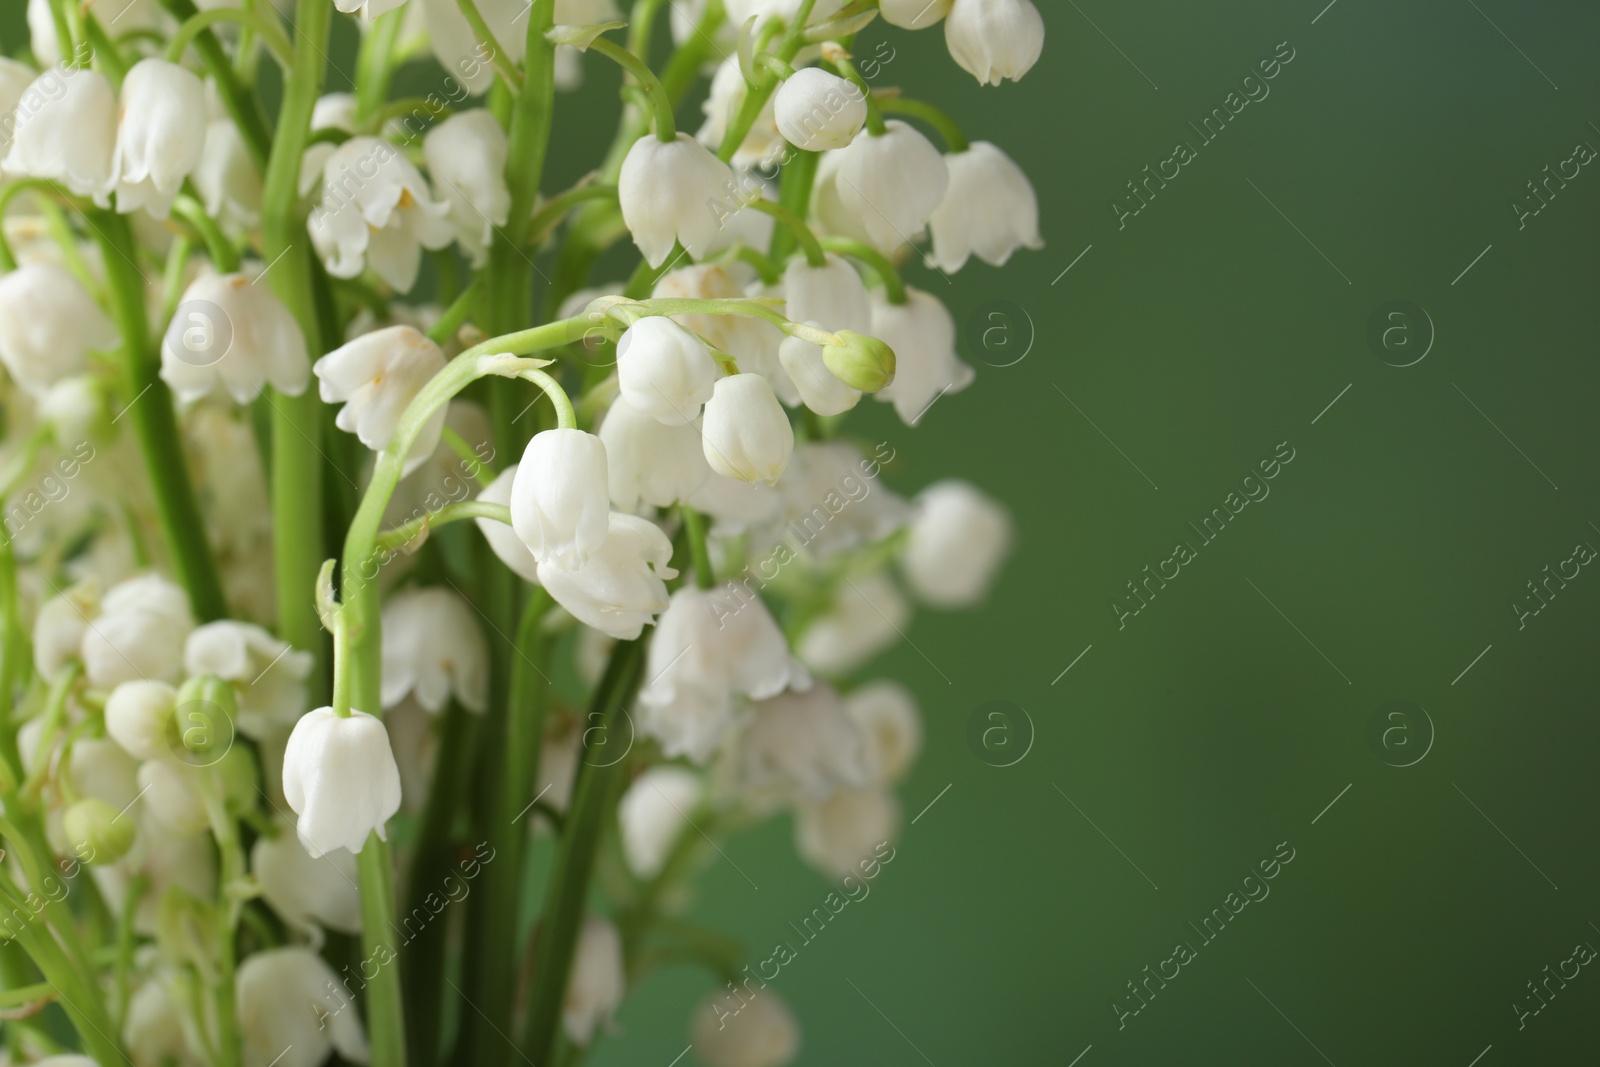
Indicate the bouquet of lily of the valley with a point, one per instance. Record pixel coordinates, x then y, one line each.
393 614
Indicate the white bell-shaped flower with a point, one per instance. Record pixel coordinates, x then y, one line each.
66 130
746 434
621 586
376 211
867 617
736 505
294 1011
958 541
820 389
597 982
229 183
140 633
668 190
882 188
503 540
170 793
763 145
304 891
734 334
463 57
368 9
832 296
710 646
58 629
236 333
832 502
433 648
658 806
923 336
760 1032
161 136
48 326
836 834
376 376
340 777
817 111
466 156
99 769
560 498
157 1029
891 730
268 674
75 409
664 370
138 714
799 747
332 111
994 40
990 210
650 461
913 14
15 78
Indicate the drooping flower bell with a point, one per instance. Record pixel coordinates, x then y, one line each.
746 434
376 376
267 674
140 632
913 14
760 1032
667 190
466 156
990 210
620 588
648 461
597 982
799 746
138 714
560 498
882 188
294 1009
923 336
891 731
820 389
236 333
66 130
503 540
305 890
655 811
958 541
48 325
832 295
867 616
161 135
836 834
433 649
664 370
376 211
994 39
340 777
817 111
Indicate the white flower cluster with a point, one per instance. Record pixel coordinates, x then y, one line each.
272 768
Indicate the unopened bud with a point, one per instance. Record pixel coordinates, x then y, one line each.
861 362
99 834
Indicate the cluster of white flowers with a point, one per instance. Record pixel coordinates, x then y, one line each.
272 768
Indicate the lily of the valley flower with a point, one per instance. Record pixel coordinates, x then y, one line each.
746 435
836 834
760 1032
15 78
433 648
230 186
882 188
333 111
958 541
303 890
913 14
376 376
140 632
466 156
724 98
171 795
923 336
233 332
820 389
994 39
799 746
290 1007
597 982
560 499
990 210
621 587
650 461
664 370
464 58
653 813
268 674
710 647
138 714
891 730
832 295
340 777
867 617
161 136
376 211
66 130
503 540
48 325
667 190
816 111
369 9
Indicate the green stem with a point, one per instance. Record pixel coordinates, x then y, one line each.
406 533
756 96
695 524
223 255
586 822
107 56
875 126
497 55
894 286
385 1015
237 98
457 313
947 127
226 831
150 408
375 61
795 225
660 102
267 28
557 206
12 190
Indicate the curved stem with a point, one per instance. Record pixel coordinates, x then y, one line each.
557 206
497 55
239 101
12 190
694 524
456 315
894 286
764 264
223 255
947 127
270 32
404 534
755 97
405 108
795 225
660 102
376 62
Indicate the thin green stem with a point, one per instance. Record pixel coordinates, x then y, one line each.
756 96
894 286
237 98
660 102
552 211
795 225
497 54
12 190
875 126
267 28
947 127
376 62
223 255
694 524
404 534
456 315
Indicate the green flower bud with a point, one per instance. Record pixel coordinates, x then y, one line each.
203 723
97 832
861 362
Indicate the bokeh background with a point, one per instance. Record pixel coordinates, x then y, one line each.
1343 673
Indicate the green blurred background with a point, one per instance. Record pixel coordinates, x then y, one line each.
1121 400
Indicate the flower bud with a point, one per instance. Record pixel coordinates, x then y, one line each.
820 389
206 712
597 983
958 541
664 370
994 39
560 499
663 190
138 715
817 111
97 833
841 831
172 796
654 813
862 362
746 434
340 777
729 1031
